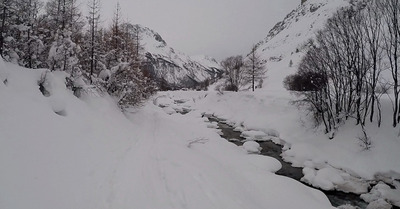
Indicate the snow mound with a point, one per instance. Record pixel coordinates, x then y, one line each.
212 125
383 191
379 204
325 178
253 135
252 147
328 178
58 104
347 207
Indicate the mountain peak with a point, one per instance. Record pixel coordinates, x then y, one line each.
173 68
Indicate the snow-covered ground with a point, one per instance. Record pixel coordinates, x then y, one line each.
338 164
59 151
94 156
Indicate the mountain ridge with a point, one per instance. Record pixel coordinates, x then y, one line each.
288 35
175 69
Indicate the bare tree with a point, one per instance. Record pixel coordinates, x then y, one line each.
391 29
234 72
372 28
93 19
339 74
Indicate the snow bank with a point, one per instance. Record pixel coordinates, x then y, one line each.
266 110
53 161
329 178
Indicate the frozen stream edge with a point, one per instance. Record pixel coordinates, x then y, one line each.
269 148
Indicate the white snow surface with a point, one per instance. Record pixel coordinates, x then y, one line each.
94 156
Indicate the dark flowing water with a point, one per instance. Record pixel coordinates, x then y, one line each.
274 150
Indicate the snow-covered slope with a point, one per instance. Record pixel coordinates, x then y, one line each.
286 39
272 107
297 27
174 67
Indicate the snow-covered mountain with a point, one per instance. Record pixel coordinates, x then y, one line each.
285 42
297 27
175 68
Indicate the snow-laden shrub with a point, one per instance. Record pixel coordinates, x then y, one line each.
128 85
76 82
44 84
63 53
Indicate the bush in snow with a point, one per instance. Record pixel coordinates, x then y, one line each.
234 73
75 81
128 85
43 84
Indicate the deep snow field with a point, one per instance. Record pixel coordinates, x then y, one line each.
63 152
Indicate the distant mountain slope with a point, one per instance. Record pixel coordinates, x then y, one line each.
298 26
175 68
283 47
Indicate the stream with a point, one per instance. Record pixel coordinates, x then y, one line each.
271 149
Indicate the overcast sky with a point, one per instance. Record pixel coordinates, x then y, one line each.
218 28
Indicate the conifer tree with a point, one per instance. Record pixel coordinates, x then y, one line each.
255 67
92 54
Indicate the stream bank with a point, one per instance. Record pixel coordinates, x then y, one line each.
271 149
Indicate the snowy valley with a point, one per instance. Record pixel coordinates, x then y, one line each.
60 149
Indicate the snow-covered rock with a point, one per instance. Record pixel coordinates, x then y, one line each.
379 204
252 147
383 191
328 178
254 135
212 125
347 206
325 178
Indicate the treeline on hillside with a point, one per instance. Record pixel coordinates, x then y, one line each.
341 75
240 71
55 35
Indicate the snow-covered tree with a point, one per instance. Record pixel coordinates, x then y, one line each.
128 85
19 40
126 81
63 54
92 51
64 34
29 44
